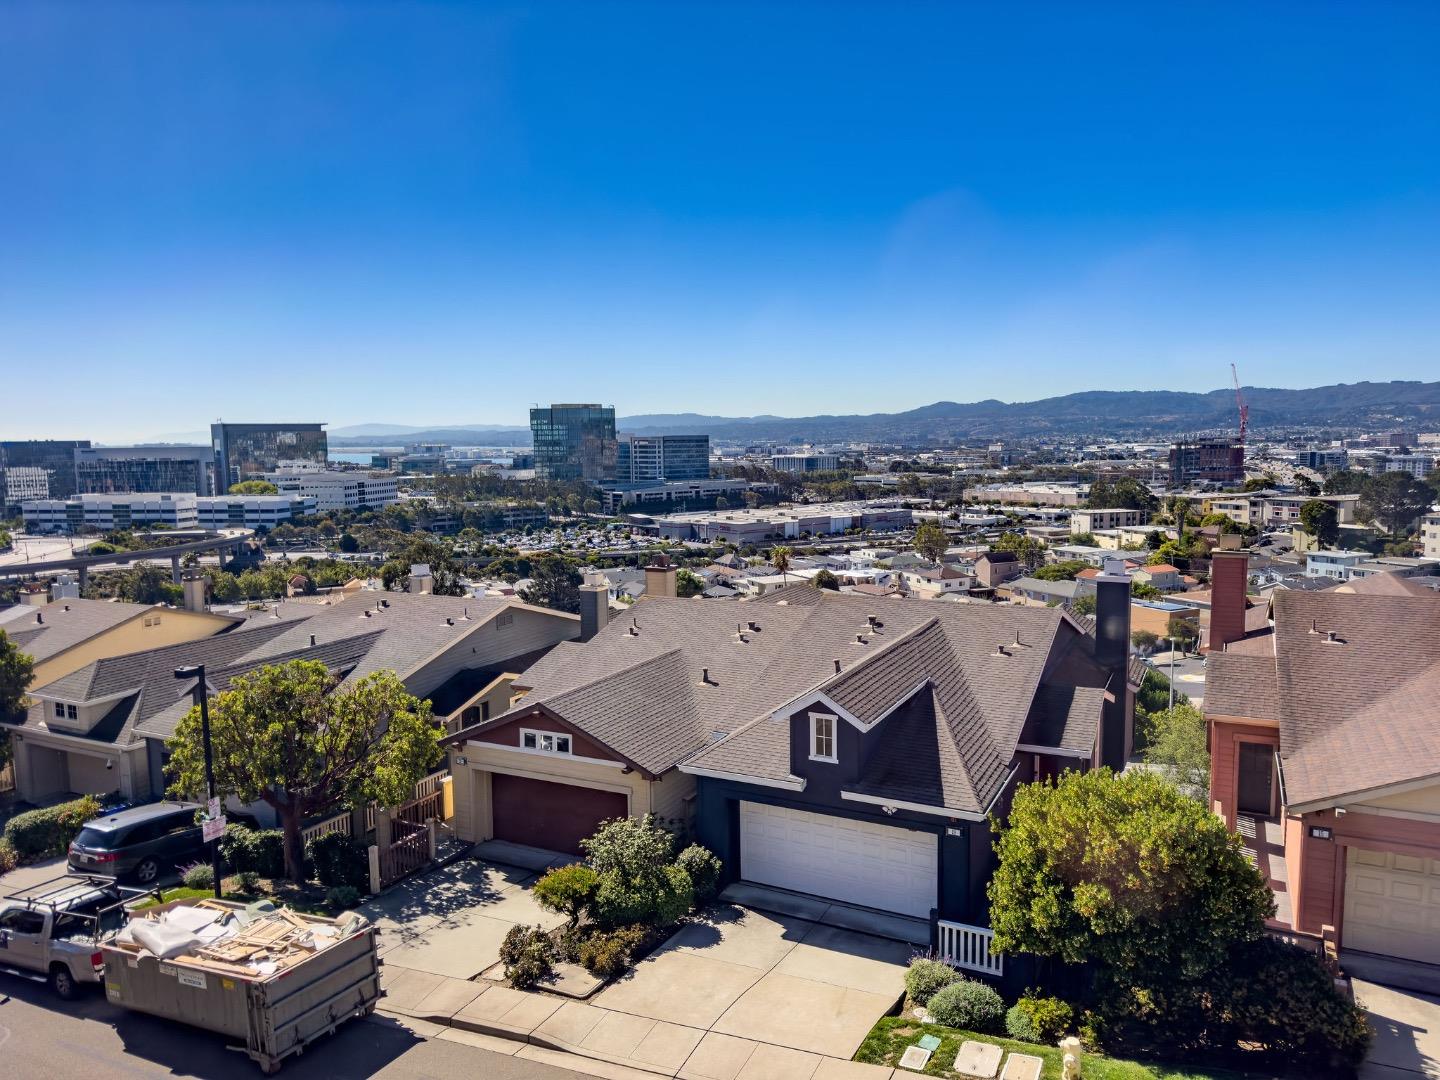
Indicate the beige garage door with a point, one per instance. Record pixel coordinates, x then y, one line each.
1392 904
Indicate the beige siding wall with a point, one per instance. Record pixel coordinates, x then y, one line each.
472 782
175 627
490 645
668 796
1422 801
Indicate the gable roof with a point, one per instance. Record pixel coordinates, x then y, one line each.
46 632
1356 678
713 687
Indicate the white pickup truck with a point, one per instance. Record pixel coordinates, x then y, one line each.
51 932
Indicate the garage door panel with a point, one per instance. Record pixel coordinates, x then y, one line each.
1392 904
546 814
857 862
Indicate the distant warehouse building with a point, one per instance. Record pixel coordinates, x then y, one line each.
781 522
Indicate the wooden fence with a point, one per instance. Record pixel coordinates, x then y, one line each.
406 854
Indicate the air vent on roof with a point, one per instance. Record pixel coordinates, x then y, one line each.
716 736
862 639
312 641
449 621
837 665
754 626
369 613
67 607
873 620
1000 650
705 679
465 615
1332 638
39 616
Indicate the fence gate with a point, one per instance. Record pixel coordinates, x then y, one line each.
410 846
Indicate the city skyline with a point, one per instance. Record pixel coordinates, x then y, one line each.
862 214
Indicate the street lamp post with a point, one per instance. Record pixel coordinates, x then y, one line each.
202 698
1171 640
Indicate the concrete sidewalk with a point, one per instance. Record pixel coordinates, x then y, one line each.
596 1041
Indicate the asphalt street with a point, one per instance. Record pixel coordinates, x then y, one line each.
43 1038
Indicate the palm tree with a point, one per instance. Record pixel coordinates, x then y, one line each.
780 559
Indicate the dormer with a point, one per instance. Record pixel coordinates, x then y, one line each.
69 717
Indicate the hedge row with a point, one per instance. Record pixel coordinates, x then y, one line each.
36 834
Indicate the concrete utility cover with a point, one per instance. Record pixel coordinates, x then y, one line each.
1022 1067
929 1042
915 1057
978 1059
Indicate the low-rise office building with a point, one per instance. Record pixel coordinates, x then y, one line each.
805 463
108 470
252 511
1089 521
339 490
767 523
177 510
658 493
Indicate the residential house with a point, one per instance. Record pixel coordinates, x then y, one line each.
1324 749
103 727
825 743
997 567
932 582
1161 576
70 633
1038 592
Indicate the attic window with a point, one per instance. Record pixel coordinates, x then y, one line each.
504 619
545 742
822 737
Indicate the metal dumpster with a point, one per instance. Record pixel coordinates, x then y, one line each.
272 1015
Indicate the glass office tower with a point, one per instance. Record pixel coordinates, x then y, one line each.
574 442
249 451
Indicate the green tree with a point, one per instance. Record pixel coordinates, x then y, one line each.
1346 482
254 487
722 503
446 577
1176 741
286 736
17 670
348 543
826 580
1026 549
1082 606
1320 520
1396 499
1127 871
1305 485
1061 571
780 559
687 584
554 583
146 583
931 541
1144 640
1123 493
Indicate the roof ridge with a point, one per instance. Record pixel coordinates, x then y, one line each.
888 647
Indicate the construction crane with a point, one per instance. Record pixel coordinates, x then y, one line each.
1240 404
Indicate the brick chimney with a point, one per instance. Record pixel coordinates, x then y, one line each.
1229 578
1112 652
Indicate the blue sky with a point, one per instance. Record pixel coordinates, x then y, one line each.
440 213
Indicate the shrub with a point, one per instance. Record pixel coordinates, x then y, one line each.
198 876
607 954
339 861
36 834
925 976
567 890
659 899
1278 997
969 1005
258 850
247 881
8 859
528 955
341 897
704 868
1039 1019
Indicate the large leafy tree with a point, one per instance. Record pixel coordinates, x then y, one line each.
1320 520
1176 743
1126 871
285 735
1027 549
1124 492
554 583
446 578
254 487
1396 499
1346 482
16 671
931 541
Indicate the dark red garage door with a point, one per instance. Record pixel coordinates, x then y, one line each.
547 815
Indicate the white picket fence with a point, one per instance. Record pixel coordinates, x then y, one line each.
337 823
969 947
341 823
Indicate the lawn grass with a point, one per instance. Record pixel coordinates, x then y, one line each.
889 1038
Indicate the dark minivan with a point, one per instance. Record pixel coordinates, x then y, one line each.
144 842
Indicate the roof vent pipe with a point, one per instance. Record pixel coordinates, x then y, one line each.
39 616
1314 626
312 641
873 620
837 665
1000 650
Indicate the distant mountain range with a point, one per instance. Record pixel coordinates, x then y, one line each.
1135 414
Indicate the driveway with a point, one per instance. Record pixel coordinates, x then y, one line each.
748 978
1407 1033
450 922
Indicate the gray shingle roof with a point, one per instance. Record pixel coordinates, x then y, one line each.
1066 716
637 687
48 631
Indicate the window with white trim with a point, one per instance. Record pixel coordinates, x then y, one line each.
546 742
822 737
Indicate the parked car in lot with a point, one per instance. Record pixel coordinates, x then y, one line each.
51 932
142 843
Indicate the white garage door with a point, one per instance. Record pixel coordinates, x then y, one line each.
1392 904
878 866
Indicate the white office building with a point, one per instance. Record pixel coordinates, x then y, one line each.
252 511
336 490
110 512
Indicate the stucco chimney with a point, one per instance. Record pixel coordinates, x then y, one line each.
1229 578
194 583
594 605
660 577
421 580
